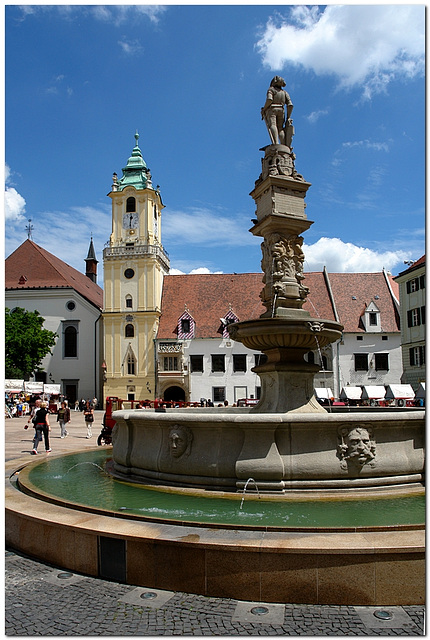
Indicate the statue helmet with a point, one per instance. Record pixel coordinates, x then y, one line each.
277 81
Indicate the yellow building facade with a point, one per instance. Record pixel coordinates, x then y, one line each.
134 266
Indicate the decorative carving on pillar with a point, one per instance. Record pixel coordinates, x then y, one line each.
282 264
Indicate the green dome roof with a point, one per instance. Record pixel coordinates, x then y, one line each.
135 173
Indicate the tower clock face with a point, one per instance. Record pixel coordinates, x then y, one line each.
130 220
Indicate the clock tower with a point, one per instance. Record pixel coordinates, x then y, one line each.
134 266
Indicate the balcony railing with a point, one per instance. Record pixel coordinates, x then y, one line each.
170 347
137 250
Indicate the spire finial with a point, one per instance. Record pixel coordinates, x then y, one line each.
136 135
29 228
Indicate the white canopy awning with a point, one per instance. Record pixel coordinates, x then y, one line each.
399 391
421 391
373 393
33 387
324 393
53 389
350 393
13 386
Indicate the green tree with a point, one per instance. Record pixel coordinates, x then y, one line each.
26 342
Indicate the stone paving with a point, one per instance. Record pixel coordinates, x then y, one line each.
41 600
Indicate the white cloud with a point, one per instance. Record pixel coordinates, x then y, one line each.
130 48
204 270
366 144
367 45
344 257
316 115
205 227
14 203
116 14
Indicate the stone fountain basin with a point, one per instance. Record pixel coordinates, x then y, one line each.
300 331
222 448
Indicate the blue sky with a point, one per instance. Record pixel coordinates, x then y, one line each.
80 80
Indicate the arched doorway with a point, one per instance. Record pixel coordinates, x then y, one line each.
174 393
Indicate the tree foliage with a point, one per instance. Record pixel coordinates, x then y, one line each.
26 342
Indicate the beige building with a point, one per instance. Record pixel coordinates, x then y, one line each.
412 287
134 265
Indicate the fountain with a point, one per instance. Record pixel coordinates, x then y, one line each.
288 446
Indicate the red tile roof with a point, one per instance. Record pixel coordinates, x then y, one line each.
208 296
36 268
353 292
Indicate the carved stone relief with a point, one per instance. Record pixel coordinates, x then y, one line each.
356 448
180 440
282 264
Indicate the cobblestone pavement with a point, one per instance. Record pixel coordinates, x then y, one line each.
41 600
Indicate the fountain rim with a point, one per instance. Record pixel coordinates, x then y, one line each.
244 415
28 489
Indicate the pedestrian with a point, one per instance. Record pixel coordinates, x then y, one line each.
63 417
42 428
95 401
89 418
33 412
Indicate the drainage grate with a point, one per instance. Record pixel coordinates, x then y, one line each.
259 613
153 598
385 618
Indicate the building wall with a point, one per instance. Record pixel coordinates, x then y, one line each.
413 337
51 304
370 344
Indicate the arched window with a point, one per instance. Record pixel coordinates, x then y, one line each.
129 302
129 331
130 206
311 357
131 365
70 342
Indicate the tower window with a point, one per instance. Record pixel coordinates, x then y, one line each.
130 206
129 273
131 364
129 331
129 302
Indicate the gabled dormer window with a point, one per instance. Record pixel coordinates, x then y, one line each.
186 326
229 318
372 318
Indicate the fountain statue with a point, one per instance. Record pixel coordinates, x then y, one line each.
287 441
286 454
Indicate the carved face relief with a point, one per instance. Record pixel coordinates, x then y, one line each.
180 438
356 448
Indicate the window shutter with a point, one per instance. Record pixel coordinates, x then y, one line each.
410 318
408 286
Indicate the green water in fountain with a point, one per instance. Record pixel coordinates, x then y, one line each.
81 479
